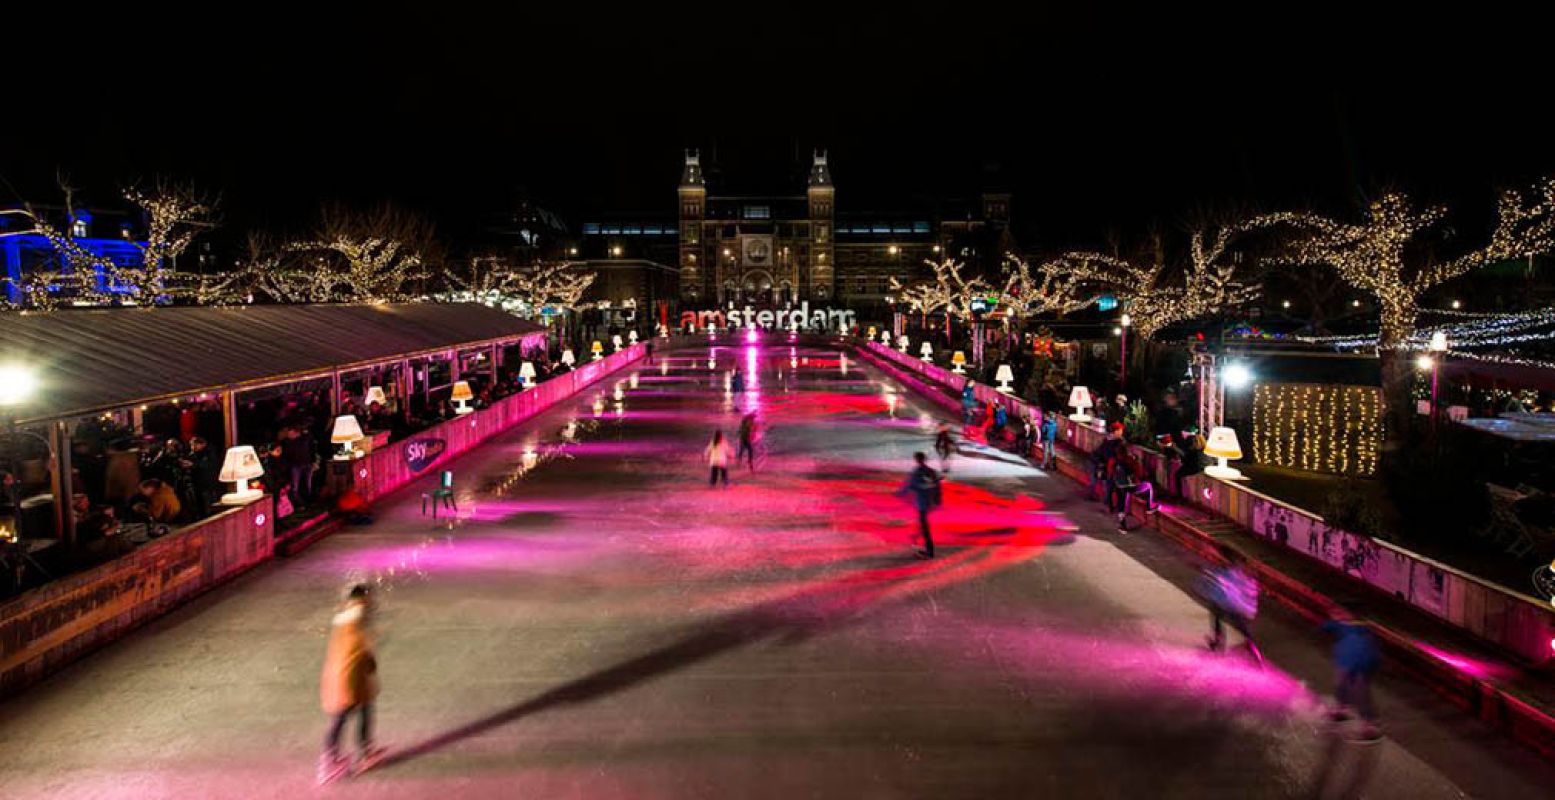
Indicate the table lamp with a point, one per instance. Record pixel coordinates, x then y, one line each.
527 372
1223 445
1080 399
348 431
631 336
460 396
902 343
615 341
958 362
241 466
1005 376
567 357
597 349
375 395
927 350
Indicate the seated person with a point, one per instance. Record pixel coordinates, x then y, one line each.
156 502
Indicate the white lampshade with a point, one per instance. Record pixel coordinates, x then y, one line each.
348 430
527 371
568 358
632 337
1080 400
927 351
375 395
1004 376
1222 444
616 340
241 466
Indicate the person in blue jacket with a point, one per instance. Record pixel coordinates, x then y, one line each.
1356 660
923 485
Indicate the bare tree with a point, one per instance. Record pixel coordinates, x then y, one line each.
1156 293
1383 255
173 215
376 256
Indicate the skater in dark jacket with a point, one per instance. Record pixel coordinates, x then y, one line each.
1356 660
923 485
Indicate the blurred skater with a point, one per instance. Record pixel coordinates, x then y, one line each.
717 459
944 446
1356 660
748 436
349 684
1233 600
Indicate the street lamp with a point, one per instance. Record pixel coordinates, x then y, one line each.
1123 350
1438 345
17 383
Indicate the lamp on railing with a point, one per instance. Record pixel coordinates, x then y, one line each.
927 350
616 342
568 359
1080 400
461 395
1223 445
597 349
241 466
375 395
631 336
348 431
902 343
958 362
526 372
885 338
1005 376
872 333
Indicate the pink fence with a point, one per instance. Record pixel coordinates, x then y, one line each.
391 467
1515 622
59 622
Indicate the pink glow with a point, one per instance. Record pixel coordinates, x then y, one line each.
1473 666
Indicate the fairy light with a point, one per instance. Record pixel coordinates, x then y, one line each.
1156 294
1318 427
1376 255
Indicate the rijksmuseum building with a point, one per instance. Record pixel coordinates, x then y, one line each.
772 250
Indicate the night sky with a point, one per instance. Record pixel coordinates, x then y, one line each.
1097 122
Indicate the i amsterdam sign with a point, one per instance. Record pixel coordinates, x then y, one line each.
803 318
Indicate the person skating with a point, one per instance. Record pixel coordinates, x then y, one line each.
944 446
349 685
1233 599
748 434
717 453
1356 660
924 486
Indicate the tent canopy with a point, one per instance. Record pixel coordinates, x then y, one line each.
93 360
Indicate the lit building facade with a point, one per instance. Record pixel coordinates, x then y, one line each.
770 251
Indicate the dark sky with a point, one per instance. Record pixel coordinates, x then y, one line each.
1097 121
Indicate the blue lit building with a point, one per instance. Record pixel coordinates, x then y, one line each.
106 234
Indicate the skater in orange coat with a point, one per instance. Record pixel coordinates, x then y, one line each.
349 683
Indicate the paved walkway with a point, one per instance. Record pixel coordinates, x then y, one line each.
599 623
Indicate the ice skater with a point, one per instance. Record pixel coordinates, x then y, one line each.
349 684
1049 440
924 486
1356 660
717 459
1233 600
748 436
944 446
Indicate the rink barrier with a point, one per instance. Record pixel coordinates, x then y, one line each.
1497 706
395 465
63 620
1517 623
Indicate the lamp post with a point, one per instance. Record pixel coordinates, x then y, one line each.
1124 323
1438 347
